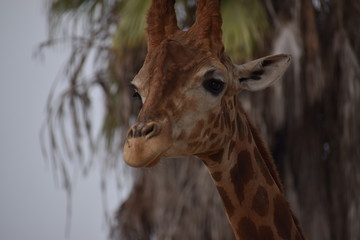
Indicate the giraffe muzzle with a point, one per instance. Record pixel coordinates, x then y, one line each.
146 143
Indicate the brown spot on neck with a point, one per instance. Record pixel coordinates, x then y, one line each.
282 217
216 157
247 230
242 173
265 233
213 136
260 202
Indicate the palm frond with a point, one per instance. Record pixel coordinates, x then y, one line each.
63 6
245 25
130 32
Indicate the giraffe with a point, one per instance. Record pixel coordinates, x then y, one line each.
188 87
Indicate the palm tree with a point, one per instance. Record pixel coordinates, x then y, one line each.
310 119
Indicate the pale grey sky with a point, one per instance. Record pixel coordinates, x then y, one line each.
31 207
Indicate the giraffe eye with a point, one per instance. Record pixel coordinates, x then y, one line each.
136 95
135 92
214 86
138 102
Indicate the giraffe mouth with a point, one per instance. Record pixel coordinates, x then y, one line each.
142 152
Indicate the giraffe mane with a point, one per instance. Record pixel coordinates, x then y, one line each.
208 24
265 154
268 159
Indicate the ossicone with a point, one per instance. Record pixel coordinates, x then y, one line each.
208 24
161 21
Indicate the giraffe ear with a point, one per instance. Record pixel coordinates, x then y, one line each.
261 73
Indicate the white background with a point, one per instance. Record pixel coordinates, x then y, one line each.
31 206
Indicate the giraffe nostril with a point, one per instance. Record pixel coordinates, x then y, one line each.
130 133
150 130
147 131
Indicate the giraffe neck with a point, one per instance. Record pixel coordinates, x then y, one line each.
246 179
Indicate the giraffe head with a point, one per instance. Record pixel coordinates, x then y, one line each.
185 85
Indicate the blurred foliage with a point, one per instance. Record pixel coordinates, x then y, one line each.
245 23
130 32
245 26
62 6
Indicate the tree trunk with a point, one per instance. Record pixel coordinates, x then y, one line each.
316 144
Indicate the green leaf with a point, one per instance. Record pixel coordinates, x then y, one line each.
130 31
245 25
